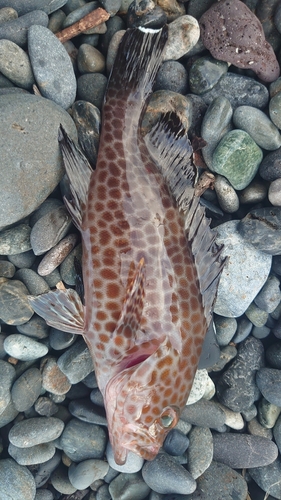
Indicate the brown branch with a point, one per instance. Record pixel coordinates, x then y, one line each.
91 20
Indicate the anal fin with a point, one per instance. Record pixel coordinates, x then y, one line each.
61 309
79 174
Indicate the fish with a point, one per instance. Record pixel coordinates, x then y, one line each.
150 264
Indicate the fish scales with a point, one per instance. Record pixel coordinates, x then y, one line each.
150 265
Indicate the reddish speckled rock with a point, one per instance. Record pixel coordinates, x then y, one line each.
232 33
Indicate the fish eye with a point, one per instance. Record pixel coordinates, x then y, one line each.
168 417
166 420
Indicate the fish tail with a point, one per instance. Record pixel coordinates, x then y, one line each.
137 62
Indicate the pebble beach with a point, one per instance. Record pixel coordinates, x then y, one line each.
221 75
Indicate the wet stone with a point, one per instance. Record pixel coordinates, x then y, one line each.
223 27
60 340
88 122
220 481
47 206
16 30
204 73
238 289
227 353
255 192
268 478
204 414
236 388
164 475
29 5
76 363
56 20
7 269
60 480
239 90
262 228
268 381
200 451
256 315
16 481
23 260
35 284
163 101
26 389
49 230
226 195
215 124
81 441
91 87
274 193
57 254
244 329
35 431
274 109
19 138
24 348
86 472
183 34
225 329
146 13
34 455
176 443
15 308
36 327
90 60
87 412
53 379
45 407
237 157
15 64
56 82
7 375
15 240
172 75
133 462
243 451
273 355
258 126
256 429
45 469
268 413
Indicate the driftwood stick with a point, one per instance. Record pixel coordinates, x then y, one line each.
91 20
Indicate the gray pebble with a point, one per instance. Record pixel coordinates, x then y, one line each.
15 240
277 432
53 279
44 470
35 284
126 486
268 381
56 20
274 193
30 5
44 495
49 230
256 315
24 348
262 228
258 126
204 73
254 193
16 481
76 363
165 475
82 441
268 413
15 64
7 269
172 75
2 350
15 309
241 451
133 462
33 431
36 327
61 340
274 109
236 388
270 296
243 275
60 480
45 407
67 269
227 353
273 355
270 167
200 451
204 414
176 443
16 30
225 329
7 376
47 206
90 60
91 87
226 195
268 478
26 389
37 454
51 66
23 260
7 14
220 482
8 415
87 412
41 166
57 254
256 429
86 472
112 48
261 332
53 379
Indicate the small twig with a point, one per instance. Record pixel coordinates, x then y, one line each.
91 20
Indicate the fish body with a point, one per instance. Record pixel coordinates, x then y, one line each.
150 265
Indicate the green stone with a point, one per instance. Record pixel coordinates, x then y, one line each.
237 157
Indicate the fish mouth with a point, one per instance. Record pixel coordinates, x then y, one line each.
142 444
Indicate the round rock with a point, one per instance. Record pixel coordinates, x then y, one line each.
261 227
220 481
200 451
76 363
258 126
16 481
34 455
15 309
33 431
133 462
269 383
24 348
81 441
15 64
26 121
268 478
15 240
52 66
27 389
85 473
183 34
241 451
16 29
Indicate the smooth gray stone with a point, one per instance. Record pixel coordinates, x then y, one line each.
220 481
33 431
8 415
50 229
225 329
204 414
15 240
16 481
86 472
52 66
133 462
165 475
60 481
261 227
15 64
268 478
200 450
35 283
15 308
27 121
7 376
45 469
24 348
258 126
76 363
241 451
16 30
81 441
23 260
34 455
268 381
26 389
21 7
7 269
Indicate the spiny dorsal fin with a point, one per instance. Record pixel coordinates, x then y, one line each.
171 150
79 173
61 309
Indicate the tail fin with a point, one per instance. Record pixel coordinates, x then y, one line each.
137 62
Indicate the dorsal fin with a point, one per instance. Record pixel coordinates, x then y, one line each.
61 309
168 145
79 172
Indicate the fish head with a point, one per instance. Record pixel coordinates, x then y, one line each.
138 413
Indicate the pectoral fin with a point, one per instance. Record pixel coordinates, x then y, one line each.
61 309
